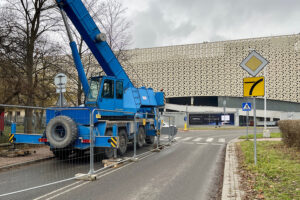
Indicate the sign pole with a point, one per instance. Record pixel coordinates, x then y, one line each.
60 82
266 132
254 86
247 121
254 116
61 97
265 102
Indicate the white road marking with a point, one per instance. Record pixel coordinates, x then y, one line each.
63 188
187 138
209 139
221 140
84 183
166 137
197 139
163 139
177 138
201 143
58 194
216 144
188 143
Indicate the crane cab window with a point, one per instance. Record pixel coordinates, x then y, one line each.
119 90
94 90
108 89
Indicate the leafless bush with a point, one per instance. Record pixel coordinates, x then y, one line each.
290 130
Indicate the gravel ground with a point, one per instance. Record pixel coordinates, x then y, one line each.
36 154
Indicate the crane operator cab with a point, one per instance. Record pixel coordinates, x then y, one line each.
105 93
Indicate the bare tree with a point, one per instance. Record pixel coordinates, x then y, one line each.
109 16
25 23
116 27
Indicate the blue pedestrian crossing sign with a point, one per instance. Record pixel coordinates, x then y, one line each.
246 106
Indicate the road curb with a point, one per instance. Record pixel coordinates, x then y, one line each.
5 145
25 163
231 181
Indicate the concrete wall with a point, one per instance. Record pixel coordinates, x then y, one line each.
179 116
213 68
235 102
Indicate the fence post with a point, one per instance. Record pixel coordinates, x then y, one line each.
169 129
115 133
158 137
134 136
91 142
174 129
13 130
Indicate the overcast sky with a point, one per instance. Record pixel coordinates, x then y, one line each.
172 22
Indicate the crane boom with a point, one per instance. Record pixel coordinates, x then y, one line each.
90 33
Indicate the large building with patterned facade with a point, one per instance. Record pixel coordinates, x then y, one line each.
209 72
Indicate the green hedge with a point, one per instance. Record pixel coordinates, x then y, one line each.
290 130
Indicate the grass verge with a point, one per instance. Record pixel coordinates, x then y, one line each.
260 135
19 129
276 175
4 137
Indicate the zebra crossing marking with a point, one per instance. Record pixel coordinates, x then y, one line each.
188 143
187 138
197 139
221 140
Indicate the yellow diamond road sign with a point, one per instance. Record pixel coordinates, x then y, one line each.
254 63
254 86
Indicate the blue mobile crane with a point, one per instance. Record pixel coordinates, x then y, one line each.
112 102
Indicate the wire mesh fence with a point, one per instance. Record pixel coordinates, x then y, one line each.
27 127
41 134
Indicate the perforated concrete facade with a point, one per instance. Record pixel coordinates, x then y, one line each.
212 68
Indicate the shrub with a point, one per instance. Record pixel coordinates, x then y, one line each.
290 130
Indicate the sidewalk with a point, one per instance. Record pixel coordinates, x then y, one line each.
37 154
231 181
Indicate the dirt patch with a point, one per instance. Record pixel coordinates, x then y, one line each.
39 152
247 179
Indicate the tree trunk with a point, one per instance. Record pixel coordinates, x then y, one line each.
79 92
30 89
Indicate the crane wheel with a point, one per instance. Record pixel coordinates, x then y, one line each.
122 142
61 132
150 139
141 137
108 152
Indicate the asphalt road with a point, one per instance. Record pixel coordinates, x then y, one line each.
191 168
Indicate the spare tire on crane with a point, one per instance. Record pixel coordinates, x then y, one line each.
61 132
